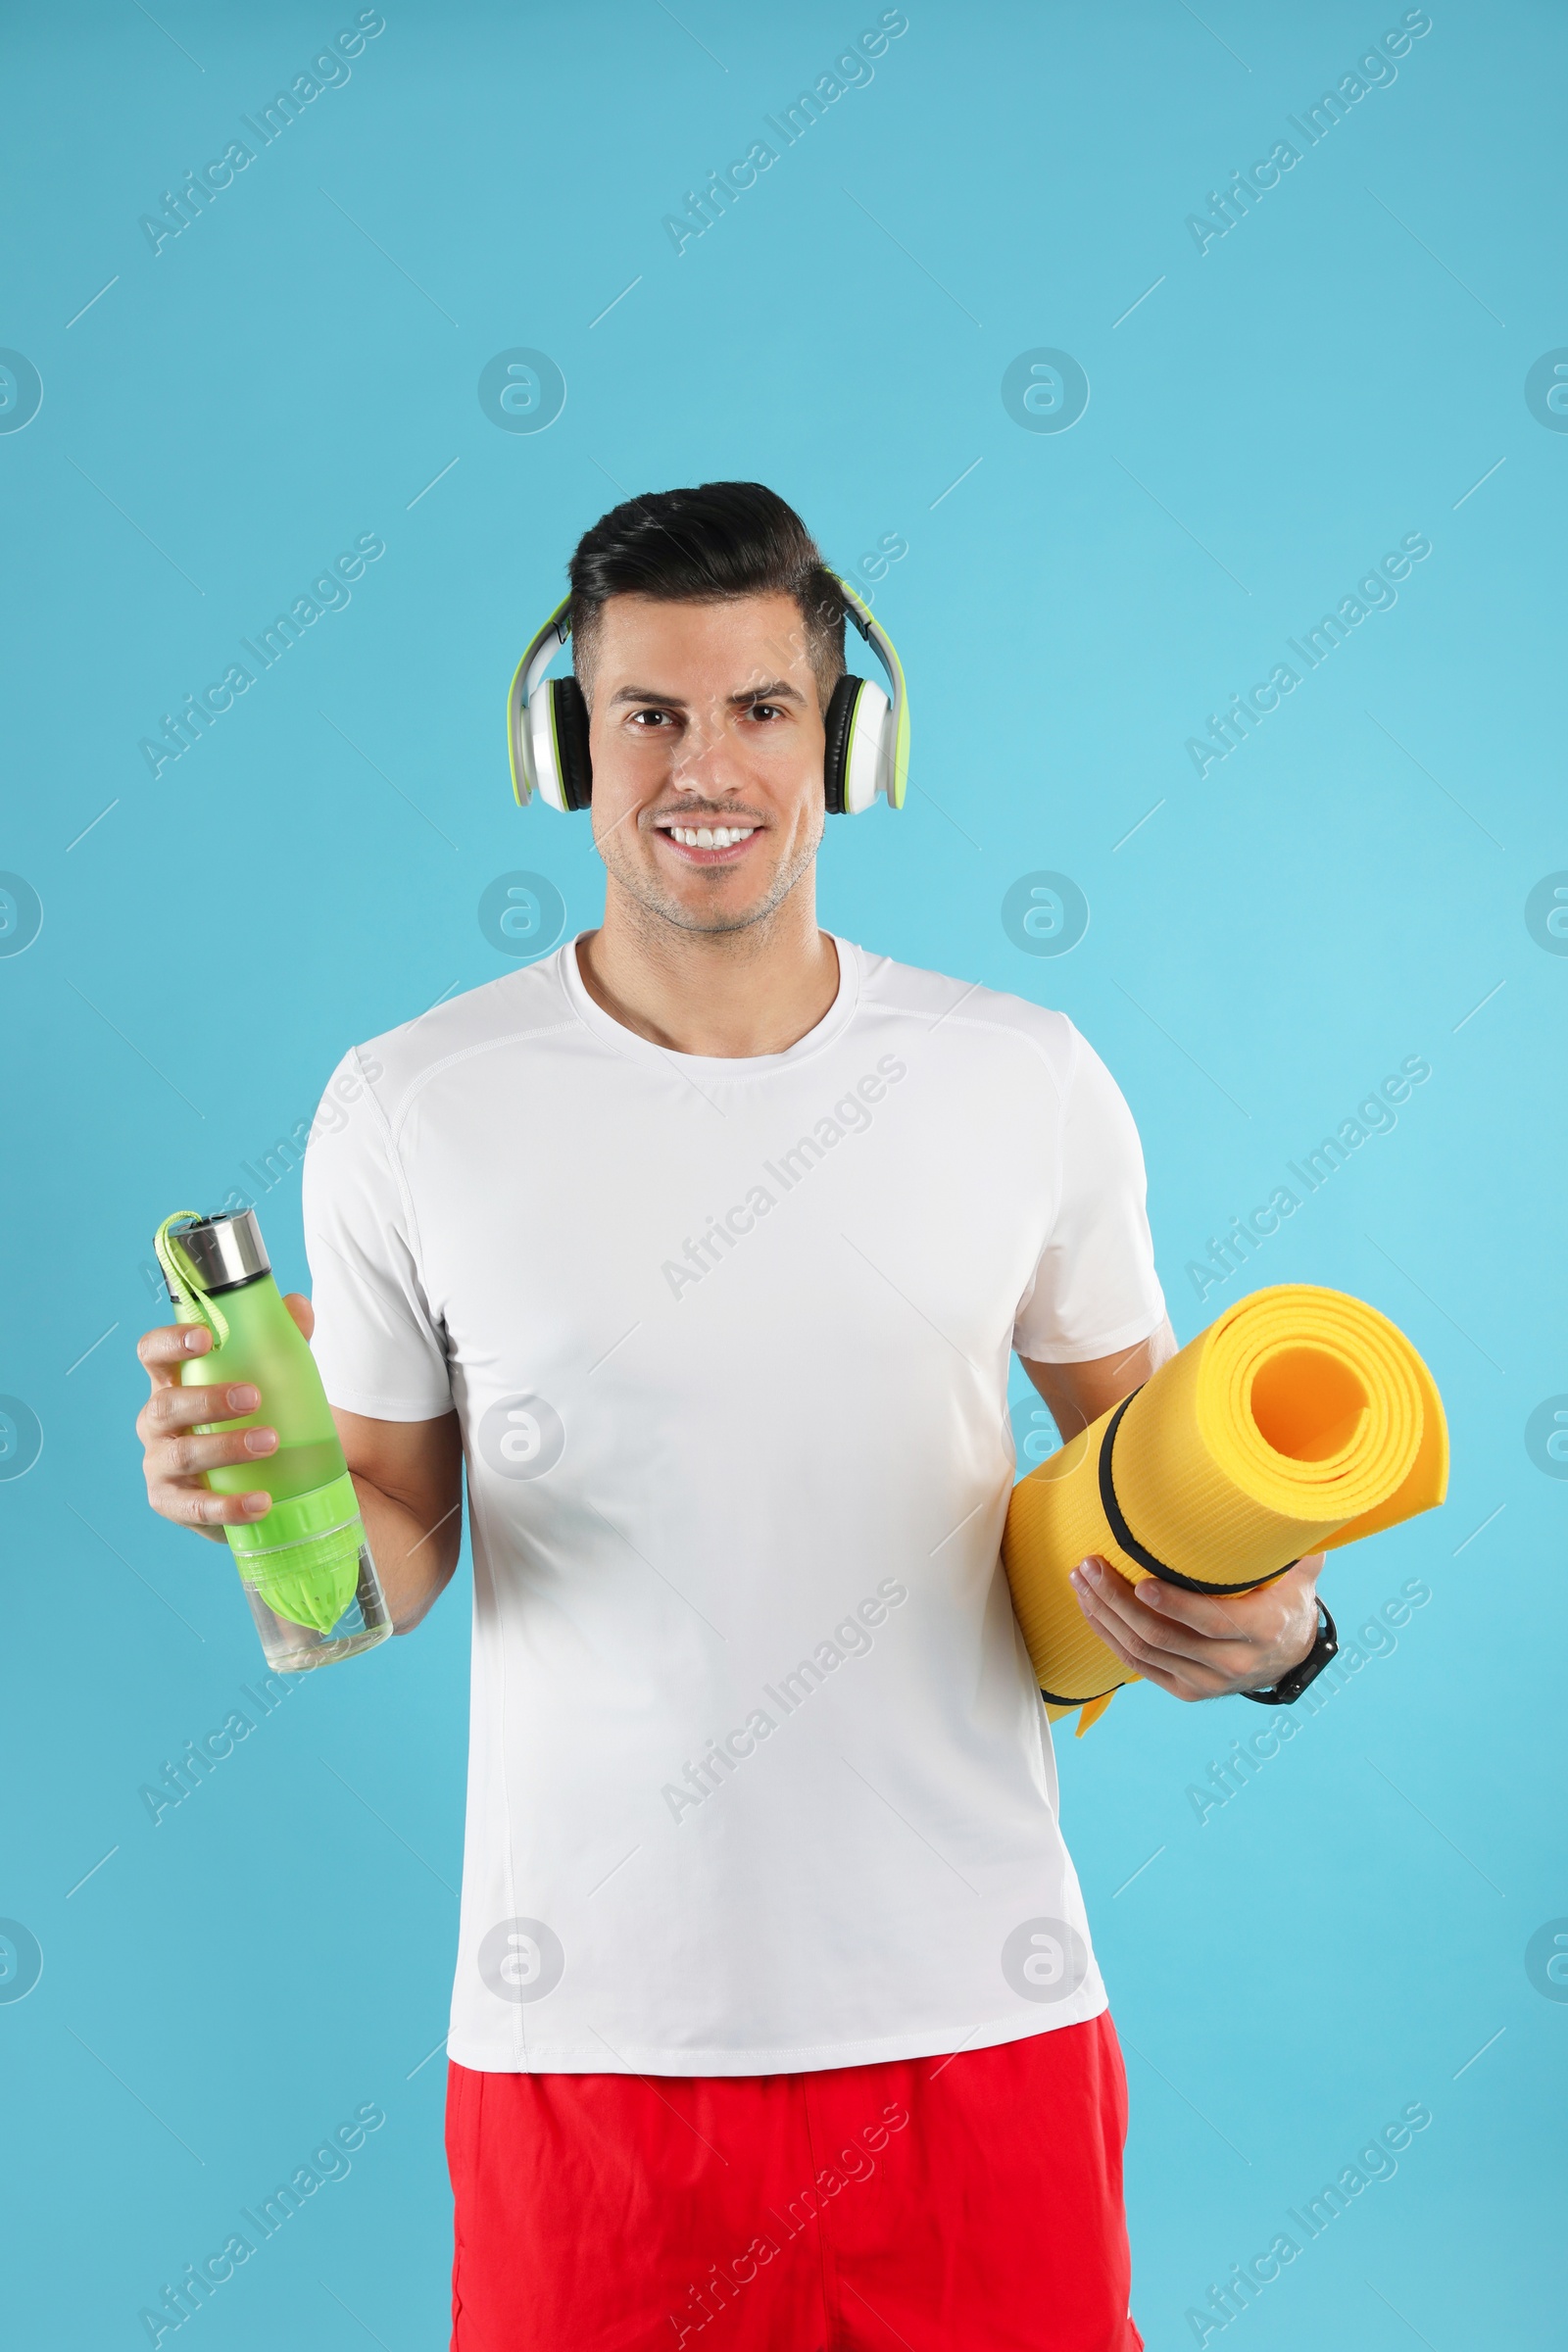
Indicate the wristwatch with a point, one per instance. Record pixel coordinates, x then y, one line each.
1290 1686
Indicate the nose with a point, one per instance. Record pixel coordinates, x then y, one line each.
707 761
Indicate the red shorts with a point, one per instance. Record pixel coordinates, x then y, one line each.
970 2201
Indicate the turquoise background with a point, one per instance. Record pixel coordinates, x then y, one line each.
1345 890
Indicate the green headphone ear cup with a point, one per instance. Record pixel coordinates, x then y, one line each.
836 727
569 719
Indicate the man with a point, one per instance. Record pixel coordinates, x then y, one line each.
703 1244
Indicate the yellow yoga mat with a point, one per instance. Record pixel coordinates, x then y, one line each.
1300 1420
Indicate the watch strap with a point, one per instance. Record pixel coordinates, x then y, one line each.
1290 1686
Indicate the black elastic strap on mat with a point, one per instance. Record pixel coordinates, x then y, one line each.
1129 1542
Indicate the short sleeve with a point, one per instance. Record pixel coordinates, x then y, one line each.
378 1346
1095 1289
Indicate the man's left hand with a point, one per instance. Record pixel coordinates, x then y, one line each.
1197 1644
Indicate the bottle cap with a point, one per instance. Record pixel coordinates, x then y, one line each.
223 1250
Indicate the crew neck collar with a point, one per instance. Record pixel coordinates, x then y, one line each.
729 1067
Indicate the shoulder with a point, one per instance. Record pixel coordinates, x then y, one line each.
939 1005
392 1070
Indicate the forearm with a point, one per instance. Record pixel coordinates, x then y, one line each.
409 1478
413 1561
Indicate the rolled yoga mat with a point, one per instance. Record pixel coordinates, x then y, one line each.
1299 1421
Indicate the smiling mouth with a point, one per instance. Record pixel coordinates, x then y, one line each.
706 844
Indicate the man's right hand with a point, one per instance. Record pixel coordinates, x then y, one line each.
172 1459
407 1475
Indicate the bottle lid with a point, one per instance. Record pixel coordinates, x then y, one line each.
223 1250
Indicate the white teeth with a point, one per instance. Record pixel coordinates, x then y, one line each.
711 837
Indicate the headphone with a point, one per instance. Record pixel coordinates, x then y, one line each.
867 736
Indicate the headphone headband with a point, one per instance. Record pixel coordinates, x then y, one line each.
540 652
868 736
897 764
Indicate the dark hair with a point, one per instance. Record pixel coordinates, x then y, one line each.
724 539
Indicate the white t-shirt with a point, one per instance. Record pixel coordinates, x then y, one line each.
760 1780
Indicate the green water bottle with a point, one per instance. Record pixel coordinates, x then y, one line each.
306 1567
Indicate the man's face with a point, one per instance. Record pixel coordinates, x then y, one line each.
705 722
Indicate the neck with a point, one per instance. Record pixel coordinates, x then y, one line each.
728 995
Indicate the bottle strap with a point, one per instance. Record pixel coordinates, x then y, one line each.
181 1276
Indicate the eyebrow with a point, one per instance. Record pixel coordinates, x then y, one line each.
776 690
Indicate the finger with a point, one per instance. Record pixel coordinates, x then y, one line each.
1260 1614
197 1507
1222 1617
1148 1636
1254 1624
1182 1677
1188 1688
172 1345
1110 1627
185 1457
172 1408
1267 1633
1107 1631
1124 1605
303 1312
1220 1668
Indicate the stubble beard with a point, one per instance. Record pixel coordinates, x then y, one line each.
658 906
